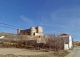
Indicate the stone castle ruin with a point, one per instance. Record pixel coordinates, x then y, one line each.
32 31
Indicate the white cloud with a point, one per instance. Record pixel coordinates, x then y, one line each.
51 25
66 19
28 21
66 13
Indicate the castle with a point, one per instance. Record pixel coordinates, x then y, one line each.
33 31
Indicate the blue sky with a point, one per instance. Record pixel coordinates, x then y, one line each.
55 16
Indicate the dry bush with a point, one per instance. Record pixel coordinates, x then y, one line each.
54 44
6 45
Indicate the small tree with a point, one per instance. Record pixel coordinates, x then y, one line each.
55 43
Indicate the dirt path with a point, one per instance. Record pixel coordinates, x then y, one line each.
74 53
17 51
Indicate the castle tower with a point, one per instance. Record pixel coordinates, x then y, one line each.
18 31
39 29
33 30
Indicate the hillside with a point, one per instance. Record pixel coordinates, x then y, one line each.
10 36
4 34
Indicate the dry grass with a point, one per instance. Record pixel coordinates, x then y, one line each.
17 52
63 54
